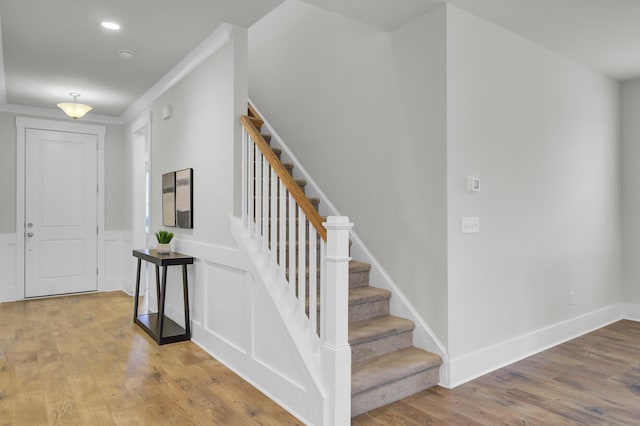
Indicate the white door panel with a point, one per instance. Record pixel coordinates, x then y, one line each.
60 213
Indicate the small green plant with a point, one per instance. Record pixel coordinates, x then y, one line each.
164 237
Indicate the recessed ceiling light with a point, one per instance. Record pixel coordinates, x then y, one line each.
110 25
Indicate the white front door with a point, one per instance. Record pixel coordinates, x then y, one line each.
61 212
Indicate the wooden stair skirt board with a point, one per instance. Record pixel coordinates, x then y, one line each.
386 367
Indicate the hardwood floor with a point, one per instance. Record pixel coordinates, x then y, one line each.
591 380
80 360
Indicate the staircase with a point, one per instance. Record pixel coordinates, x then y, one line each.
386 367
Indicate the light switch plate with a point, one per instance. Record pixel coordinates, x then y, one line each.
469 225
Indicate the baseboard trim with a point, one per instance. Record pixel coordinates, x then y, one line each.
464 368
631 311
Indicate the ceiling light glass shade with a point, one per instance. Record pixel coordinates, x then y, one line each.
74 109
110 25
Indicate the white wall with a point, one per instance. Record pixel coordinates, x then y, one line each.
364 112
200 135
542 134
115 211
8 167
630 134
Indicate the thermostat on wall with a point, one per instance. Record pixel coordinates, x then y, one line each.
473 184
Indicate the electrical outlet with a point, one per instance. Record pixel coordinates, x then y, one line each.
571 297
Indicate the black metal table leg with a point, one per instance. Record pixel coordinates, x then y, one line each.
158 287
163 295
185 289
135 301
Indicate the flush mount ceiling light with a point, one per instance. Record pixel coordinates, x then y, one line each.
110 25
74 109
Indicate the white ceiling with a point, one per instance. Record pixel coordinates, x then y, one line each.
51 48
384 14
601 34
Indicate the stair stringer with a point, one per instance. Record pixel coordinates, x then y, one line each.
310 403
399 304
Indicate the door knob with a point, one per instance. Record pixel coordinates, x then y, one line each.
30 234
29 225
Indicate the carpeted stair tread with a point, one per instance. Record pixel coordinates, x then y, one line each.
361 295
391 367
376 328
357 266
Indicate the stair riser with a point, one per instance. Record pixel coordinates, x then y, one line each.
394 391
358 279
381 346
361 279
360 311
368 310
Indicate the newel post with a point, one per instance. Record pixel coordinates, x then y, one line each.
335 321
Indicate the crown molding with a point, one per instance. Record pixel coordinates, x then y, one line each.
210 45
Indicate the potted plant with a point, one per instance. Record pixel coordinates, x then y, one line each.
164 238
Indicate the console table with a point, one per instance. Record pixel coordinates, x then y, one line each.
157 325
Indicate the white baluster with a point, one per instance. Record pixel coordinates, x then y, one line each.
251 187
302 259
313 279
292 243
282 217
258 192
245 192
334 315
273 216
265 205
323 281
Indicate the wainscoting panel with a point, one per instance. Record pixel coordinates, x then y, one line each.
9 289
269 339
228 314
237 323
112 274
128 264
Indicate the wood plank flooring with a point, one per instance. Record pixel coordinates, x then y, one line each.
591 380
80 360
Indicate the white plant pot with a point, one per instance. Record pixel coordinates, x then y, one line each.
163 248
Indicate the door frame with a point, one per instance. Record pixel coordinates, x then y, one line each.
141 128
22 124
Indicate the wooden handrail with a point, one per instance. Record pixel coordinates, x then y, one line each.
253 112
301 200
